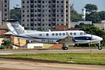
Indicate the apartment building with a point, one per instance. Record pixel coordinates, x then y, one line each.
45 14
4 10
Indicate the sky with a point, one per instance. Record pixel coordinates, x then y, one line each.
78 4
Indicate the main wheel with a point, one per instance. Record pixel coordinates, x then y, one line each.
65 48
100 48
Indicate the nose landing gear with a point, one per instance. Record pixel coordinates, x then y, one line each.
99 47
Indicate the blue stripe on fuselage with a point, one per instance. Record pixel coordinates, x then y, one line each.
75 38
82 38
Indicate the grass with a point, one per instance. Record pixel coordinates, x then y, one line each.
47 45
94 58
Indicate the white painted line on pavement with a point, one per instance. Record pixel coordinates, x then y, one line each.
5 53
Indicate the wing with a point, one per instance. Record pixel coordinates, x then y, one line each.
69 39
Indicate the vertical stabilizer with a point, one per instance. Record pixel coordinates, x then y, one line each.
15 27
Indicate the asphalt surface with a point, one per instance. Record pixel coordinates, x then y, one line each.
6 52
7 64
11 64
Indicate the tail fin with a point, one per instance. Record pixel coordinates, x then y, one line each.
14 27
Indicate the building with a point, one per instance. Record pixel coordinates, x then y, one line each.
3 27
2 32
62 27
4 10
72 24
103 21
15 40
45 14
100 25
83 13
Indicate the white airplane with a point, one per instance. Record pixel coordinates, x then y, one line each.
63 37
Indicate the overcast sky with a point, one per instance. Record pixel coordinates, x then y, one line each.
78 4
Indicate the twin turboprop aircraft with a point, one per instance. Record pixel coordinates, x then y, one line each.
63 37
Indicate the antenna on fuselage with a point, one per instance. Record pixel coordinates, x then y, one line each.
49 30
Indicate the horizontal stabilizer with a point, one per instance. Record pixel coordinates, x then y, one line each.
10 20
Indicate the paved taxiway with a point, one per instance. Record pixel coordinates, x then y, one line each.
6 52
7 64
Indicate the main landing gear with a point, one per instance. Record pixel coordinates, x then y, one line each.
65 47
99 47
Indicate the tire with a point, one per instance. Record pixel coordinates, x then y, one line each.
65 48
100 48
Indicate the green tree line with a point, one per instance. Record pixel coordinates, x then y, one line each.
16 14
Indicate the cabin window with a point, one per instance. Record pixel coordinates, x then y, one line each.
70 33
52 34
74 33
47 34
59 34
40 34
63 33
56 34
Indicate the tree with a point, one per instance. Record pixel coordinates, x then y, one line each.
3 47
91 8
26 28
81 25
94 17
16 13
95 31
7 43
102 15
75 16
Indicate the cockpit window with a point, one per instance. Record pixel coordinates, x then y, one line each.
81 33
85 33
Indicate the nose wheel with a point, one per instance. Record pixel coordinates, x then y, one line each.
100 47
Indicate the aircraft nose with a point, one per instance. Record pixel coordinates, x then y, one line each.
99 38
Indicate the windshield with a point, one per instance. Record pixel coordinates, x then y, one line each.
85 33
